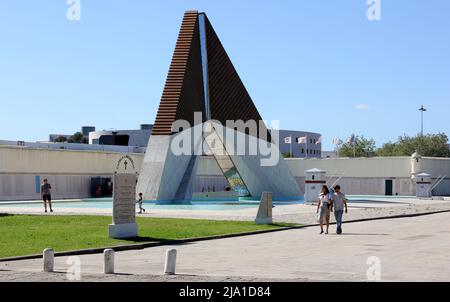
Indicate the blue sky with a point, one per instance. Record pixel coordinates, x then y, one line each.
316 65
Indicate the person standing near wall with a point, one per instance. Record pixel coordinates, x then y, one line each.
339 204
46 195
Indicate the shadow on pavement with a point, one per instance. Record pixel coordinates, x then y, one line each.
361 234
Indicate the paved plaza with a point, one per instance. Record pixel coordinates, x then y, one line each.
409 249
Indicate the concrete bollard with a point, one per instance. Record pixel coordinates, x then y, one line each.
49 260
108 261
171 261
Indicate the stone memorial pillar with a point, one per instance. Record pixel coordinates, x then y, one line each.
265 209
124 201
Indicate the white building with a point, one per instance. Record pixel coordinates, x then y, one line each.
300 144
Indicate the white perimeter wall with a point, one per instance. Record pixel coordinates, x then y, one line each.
70 172
361 176
377 167
438 167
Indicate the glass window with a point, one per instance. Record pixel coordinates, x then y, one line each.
225 163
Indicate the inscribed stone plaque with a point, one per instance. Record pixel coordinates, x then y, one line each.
124 206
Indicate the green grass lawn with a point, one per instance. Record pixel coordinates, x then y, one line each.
26 234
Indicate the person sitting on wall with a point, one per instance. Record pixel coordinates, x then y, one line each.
46 195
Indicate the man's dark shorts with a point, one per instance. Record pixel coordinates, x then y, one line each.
47 198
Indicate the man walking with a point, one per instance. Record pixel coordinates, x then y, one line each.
339 204
46 195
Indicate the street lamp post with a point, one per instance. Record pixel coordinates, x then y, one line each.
422 110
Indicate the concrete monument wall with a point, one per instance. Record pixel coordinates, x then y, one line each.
166 175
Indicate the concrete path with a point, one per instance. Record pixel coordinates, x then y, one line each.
14 276
409 249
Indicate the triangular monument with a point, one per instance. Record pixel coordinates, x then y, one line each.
204 89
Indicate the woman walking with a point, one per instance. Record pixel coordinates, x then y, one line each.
324 208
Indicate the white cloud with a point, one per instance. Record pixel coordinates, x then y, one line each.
362 106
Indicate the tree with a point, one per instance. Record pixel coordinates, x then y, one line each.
361 147
287 155
77 138
431 145
61 139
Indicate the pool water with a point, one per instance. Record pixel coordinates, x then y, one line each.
106 203
210 205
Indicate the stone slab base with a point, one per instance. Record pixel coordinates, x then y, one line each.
263 220
121 231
